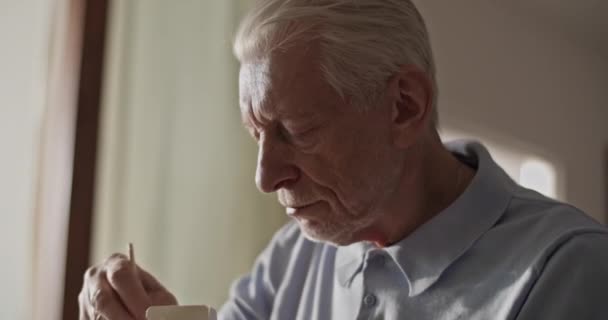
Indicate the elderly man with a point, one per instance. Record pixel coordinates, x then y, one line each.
388 223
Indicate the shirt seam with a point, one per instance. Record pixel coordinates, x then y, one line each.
538 270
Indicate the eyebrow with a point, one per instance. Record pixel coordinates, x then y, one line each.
305 115
252 122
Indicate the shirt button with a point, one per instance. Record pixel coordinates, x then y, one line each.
369 300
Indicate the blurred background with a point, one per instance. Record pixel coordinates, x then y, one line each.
119 123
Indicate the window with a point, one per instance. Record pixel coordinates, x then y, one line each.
538 175
522 164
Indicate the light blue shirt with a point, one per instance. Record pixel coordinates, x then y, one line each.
500 251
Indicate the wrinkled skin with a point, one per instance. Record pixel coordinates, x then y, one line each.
331 165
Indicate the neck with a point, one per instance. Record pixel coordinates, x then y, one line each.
438 179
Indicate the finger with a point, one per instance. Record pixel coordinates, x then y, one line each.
123 277
162 298
149 282
89 292
158 294
82 305
105 302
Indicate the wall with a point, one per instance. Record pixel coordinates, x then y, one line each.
24 33
507 77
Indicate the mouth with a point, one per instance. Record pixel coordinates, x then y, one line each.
300 210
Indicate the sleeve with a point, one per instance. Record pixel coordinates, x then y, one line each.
252 296
573 283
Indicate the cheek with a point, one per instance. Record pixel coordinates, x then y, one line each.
367 173
347 177
349 165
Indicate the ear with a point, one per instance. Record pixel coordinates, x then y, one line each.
411 95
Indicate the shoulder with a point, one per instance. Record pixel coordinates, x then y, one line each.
573 282
534 228
580 254
287 235
252 295
284 242
587 246
545 219
287 247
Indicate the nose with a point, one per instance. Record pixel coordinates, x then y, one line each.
274 169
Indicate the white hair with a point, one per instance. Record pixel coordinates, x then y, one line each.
363 42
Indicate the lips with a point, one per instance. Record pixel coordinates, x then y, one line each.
299 210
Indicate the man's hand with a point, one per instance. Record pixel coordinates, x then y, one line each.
118 289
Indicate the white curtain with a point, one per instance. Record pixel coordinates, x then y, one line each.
37 88
176 169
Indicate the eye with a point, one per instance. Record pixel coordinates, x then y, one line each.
303 134
298 136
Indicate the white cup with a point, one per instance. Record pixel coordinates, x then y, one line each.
181 313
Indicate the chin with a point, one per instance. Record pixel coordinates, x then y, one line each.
319 232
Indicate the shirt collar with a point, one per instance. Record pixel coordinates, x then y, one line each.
425 254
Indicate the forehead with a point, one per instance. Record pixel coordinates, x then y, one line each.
289 84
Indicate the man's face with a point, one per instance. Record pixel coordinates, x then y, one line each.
333 167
